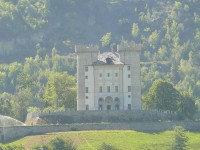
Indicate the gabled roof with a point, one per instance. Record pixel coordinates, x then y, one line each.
108 58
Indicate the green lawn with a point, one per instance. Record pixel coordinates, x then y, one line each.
126 140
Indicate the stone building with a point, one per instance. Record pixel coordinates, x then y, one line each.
108 81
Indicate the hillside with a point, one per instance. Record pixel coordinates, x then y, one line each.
25 24
121 139
38 38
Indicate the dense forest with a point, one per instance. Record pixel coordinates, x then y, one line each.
38 38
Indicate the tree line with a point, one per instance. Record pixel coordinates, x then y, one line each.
38 83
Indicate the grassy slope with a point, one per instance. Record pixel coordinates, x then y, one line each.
121 139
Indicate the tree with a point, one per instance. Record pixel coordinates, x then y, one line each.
20 103
161 96
60 144
180 140
186 106
105 146
106 39
5 104
34 12
60 91
135 30
11 147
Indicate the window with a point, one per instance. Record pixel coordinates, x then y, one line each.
108 74
86 97
100 75
86 77
86 89
86 68
100 100
128 67
116 74
129 88
116 88
129 96
129 106
129 75
116 100
108 88
100 89
87 107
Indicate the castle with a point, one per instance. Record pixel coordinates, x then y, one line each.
108 81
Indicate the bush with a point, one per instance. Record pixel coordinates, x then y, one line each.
60 144
11 147
105 146
180 139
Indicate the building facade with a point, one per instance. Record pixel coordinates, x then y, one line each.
108 81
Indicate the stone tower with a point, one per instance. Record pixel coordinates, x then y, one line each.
130 55
86 56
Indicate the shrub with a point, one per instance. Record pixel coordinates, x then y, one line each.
105 146
180 139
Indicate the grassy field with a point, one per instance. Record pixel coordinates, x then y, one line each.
125 140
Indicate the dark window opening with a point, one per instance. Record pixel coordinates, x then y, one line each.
87 107
86 90
108 107
129 106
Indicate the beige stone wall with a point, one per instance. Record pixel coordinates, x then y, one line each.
110 81
11 133
130 55
86 55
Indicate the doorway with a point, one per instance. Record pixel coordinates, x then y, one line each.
108 107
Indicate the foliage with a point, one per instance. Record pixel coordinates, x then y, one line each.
59 143
21 101
5 104
60 91
168 32
186 107
162 96
135 30
11 147
180 141
106 39
105 146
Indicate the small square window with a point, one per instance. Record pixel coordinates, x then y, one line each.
108 74
87 107
86 89
100 75
129 76
86 77
86 97
129 96
108 89
86 68
116 89
129 106
129 67
116 74
100 89
129 88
